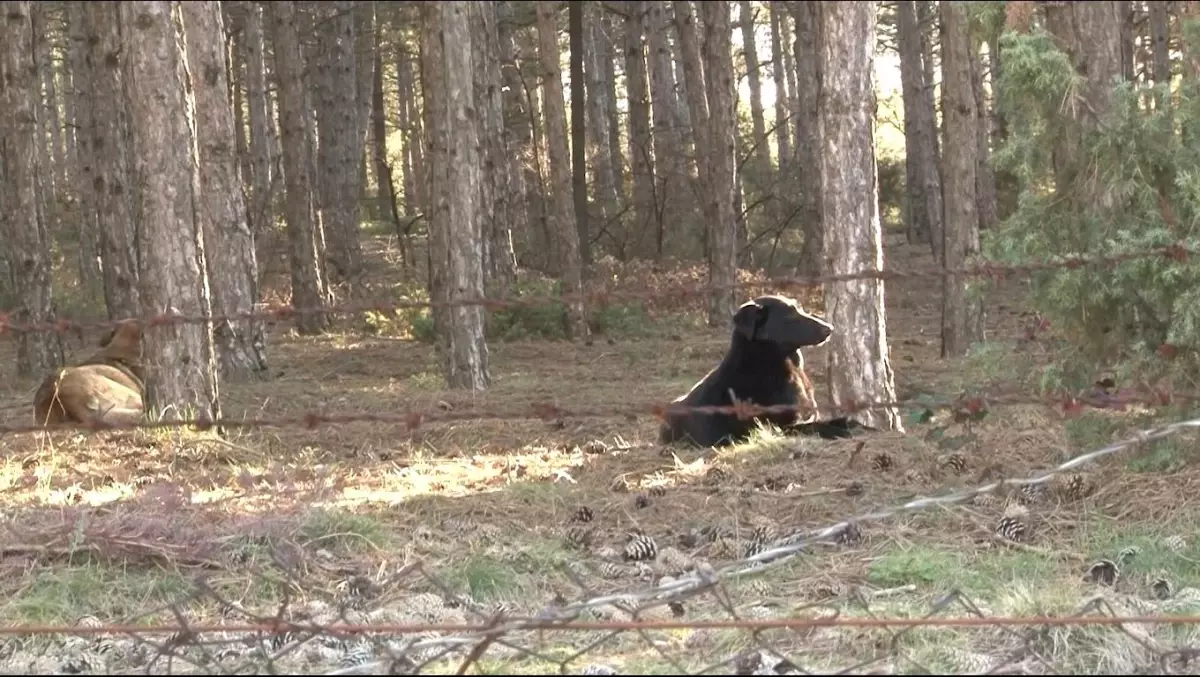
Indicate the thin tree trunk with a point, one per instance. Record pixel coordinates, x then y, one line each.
579 184
671 185
923 183
608 59
783 122
340 149
261 129
27 248
1127 48
719 86
985 176
566 248
113 182
961 315
517 136
82 160
760 157
808 141
221 208
308 286
599 131
694 87
44 36
364 50
455 219
410 133
181 368
860 368
641 159
496 187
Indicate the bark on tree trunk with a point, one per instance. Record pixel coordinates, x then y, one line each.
517 135
783 122
261 130
961 315
496 188
759 161
924 191
599 130
340 145
722 117
608 59
455 219
860 369
221 208
113 183
694 88
567 262
179 358
641 154
308 287
985 176
671 180
808 142
27 248
82 160
579 184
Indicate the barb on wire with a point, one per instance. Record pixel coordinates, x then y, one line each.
1174 252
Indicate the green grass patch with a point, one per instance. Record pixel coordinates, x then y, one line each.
342 532
64 594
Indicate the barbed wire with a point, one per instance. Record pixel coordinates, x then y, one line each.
1176 252
967 402
412 643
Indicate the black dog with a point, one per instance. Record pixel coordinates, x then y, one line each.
763 366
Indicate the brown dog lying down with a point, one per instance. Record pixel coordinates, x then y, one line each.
106 388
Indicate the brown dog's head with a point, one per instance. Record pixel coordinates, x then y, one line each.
123 343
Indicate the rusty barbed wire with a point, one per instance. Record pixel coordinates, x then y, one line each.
1175 252
351 640
968 402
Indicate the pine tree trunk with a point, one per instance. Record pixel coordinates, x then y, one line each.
517 137
719 84
221 208
82 160
608 59
179 358
985 176
27 247
308 287
599 130
808 140
410 132
860 369
759 162
1159 37
457 245
641 149
923 183
496 184
49 124
579 183
694 88
339 141
671 185
261 130
783 122
961 315
115 190
567 262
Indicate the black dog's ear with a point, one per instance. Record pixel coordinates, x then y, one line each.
746 319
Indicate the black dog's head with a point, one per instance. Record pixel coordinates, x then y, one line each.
780 320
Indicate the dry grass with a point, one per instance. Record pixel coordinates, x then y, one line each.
117 525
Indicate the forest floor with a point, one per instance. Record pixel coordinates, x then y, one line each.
477 519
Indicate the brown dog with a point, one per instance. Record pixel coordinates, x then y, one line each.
106 388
